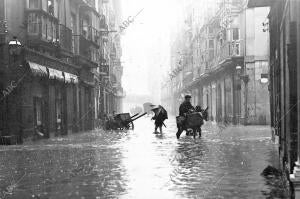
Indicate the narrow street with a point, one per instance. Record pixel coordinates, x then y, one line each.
139 164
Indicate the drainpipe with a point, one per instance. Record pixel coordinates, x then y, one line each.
245 71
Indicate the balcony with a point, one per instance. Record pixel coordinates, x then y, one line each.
90 35
228 51
103 25
65 38
85 61
104 70
41 28
231 49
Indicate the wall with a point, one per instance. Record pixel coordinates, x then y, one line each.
256 62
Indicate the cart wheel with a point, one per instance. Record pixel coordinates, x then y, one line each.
130 126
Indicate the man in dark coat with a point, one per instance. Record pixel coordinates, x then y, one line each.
184 108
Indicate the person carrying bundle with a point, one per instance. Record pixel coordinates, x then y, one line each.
160 115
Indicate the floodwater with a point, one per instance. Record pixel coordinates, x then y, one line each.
224 163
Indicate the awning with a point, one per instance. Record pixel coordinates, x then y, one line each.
70 78
37 70
56 74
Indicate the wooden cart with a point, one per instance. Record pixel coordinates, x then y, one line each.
122 121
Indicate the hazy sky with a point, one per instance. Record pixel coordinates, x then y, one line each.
145 43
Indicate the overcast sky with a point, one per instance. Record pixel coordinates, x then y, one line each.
145 44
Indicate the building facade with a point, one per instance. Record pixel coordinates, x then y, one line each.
284 29
54 82
221 63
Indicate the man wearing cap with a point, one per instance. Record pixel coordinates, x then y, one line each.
184 108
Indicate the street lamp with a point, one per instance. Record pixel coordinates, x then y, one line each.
264 78
15 47
238 70
243 77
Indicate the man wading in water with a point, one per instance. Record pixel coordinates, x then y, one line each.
160 116
184 108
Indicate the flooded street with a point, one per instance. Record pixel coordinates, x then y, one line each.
139 164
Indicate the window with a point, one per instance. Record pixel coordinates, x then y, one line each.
54 28
33 23
44 27
211 43
85 24
211 54
73 28
49 30
236 48
45 5
55 8
210 30
235 34
221 41
33 4
50 7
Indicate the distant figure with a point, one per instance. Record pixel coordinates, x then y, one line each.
160 115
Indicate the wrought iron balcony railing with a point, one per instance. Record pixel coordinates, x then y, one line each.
91 34
43 31
227 51
41 25
65 37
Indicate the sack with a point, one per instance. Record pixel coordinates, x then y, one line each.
194 120
180 120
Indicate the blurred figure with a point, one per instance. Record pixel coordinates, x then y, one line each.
160 115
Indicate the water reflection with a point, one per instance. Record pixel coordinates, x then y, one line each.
140 164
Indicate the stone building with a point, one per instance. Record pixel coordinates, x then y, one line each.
223 60
284 29
56 72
